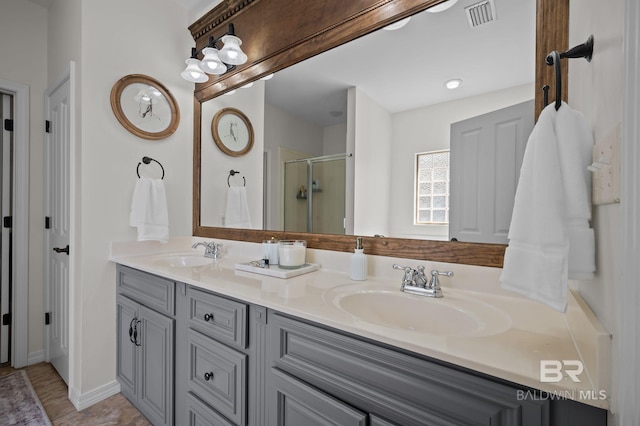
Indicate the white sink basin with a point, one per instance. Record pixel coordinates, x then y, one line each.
185 260
456 314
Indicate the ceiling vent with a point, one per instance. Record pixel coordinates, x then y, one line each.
481 13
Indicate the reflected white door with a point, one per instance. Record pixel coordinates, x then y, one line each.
57 212
486 156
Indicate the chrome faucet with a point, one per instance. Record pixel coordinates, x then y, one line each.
415 281
211 249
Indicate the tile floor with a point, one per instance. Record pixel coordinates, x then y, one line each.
52 392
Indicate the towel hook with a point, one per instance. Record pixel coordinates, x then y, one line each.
553 58
147 160
584 50
233 173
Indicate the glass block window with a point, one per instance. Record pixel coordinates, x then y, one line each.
432 187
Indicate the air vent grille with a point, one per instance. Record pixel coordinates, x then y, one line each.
481 13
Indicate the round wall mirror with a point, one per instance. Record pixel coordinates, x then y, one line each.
145 107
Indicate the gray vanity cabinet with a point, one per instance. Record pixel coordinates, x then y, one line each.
145 353
221 356
314 370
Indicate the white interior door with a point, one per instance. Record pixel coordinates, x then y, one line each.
6 140
486 156
57 212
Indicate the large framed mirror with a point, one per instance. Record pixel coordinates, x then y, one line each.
210 172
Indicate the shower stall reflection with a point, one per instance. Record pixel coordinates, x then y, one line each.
314 194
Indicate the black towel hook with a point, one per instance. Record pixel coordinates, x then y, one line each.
147 160
233 173
553 58
584 50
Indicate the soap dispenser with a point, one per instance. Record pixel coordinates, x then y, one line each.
358 264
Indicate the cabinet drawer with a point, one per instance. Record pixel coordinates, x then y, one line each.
150 290
200 414
393 385
295 404
217 317
218 375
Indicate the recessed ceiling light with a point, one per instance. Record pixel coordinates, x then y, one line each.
267 77
231 92
397 25
246 86
442 6
453 84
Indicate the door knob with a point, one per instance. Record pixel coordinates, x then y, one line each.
62 250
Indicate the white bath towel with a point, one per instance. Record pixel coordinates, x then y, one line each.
550 239
149 210
237 212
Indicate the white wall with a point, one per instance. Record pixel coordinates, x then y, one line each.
372 167
595 89
334 139
428 129
216 164
109 40
23 34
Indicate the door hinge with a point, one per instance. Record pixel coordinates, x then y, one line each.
8 124
47 126
47 318
7 221
6 319
47 222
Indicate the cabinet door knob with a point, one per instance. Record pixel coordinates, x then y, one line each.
208 317
208 376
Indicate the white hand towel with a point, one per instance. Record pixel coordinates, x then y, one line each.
149 210
575 148
237 212
549 237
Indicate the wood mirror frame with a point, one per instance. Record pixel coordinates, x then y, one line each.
310 28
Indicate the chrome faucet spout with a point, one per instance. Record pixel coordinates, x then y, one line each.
211 249
415 281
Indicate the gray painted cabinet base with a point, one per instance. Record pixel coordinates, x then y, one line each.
145 353
220 354
394 387
224 362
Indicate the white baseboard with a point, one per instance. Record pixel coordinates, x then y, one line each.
82 401
35 357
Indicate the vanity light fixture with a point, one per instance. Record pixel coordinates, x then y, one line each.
453 83
215 61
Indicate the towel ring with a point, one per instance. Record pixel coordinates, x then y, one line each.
147 160
233 173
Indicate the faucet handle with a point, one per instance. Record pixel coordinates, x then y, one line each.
409 273
435 283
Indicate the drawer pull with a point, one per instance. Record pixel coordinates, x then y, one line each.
208 317
208 376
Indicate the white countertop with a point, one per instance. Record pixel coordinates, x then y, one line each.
516 333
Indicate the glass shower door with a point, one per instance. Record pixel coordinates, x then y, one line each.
314 195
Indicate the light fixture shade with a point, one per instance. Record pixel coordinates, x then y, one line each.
231 53
442 6
211 63
193 73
